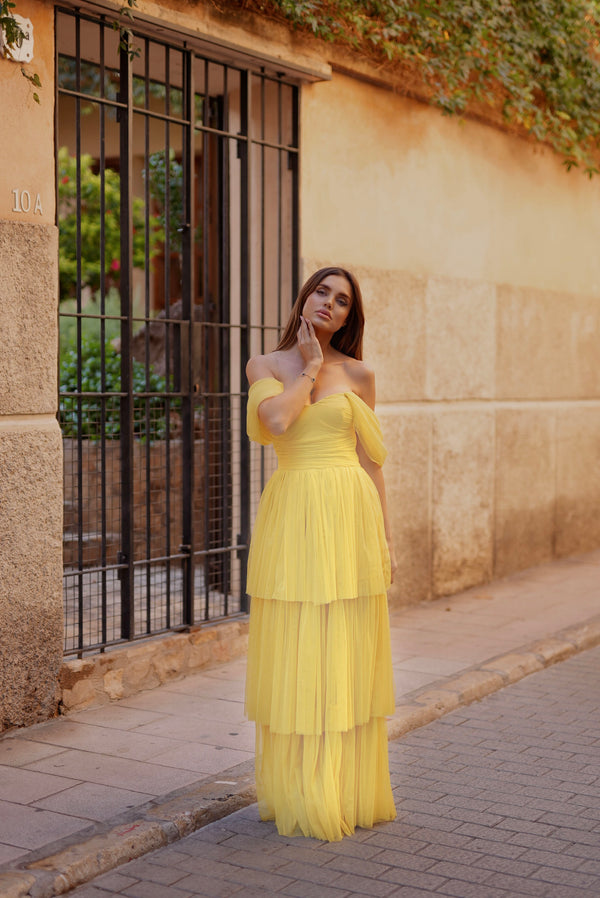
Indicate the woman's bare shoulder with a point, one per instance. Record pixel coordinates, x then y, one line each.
269 365
260 366
363 380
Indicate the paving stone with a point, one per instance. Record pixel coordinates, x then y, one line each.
439 837
305 889
507 865
450 870
153 890
407 860
92 891
461 889
212 887
517 887
361 867
493 849
351 848
582 851
570 878
115 881
548 858
309 872
376 888
421 880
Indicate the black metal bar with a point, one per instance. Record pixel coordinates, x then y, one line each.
262 213
279 209
245 273
168 332
127 401
206 299
147 289
79 341
103 558
294 161
225 350
188 315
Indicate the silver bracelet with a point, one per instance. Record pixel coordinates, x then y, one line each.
304 374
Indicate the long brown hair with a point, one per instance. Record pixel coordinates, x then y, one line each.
349 337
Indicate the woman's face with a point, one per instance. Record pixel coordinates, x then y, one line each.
328 306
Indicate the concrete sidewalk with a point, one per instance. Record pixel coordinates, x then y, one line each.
81 794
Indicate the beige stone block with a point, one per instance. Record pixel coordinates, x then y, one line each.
461 339
81 695
547 344
31 616
442 700
552 650
577 479
139 674
584 637
410 717
394 344
514 667
172 663
476 684
28 318
75 670
14 884
113 684
525 488
407 436
462 499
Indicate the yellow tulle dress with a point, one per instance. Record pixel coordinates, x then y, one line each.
319 678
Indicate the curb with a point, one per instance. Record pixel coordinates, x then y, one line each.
168 819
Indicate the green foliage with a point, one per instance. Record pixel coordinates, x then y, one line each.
98 415
91 225
162 185
125 33
14 36
90 320
536 60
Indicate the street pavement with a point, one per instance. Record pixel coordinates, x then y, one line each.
500 799
83 793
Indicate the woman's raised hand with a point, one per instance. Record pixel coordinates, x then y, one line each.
309 346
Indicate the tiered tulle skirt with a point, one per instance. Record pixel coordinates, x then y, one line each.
319 680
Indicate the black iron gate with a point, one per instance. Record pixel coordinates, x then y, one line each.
177 184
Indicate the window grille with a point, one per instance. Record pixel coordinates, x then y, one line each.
177 208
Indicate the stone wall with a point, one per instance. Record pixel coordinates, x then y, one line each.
31 620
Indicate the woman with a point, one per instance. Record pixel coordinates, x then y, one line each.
319 682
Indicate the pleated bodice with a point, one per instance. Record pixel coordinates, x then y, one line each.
319 534
322 437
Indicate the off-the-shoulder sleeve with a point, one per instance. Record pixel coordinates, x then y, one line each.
367 427
259 391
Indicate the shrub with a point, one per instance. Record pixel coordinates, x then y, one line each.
99 412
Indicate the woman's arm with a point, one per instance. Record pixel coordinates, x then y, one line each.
365 388
376 474
279 412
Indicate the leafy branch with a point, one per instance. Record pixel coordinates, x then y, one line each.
536 61
13 38
125 33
